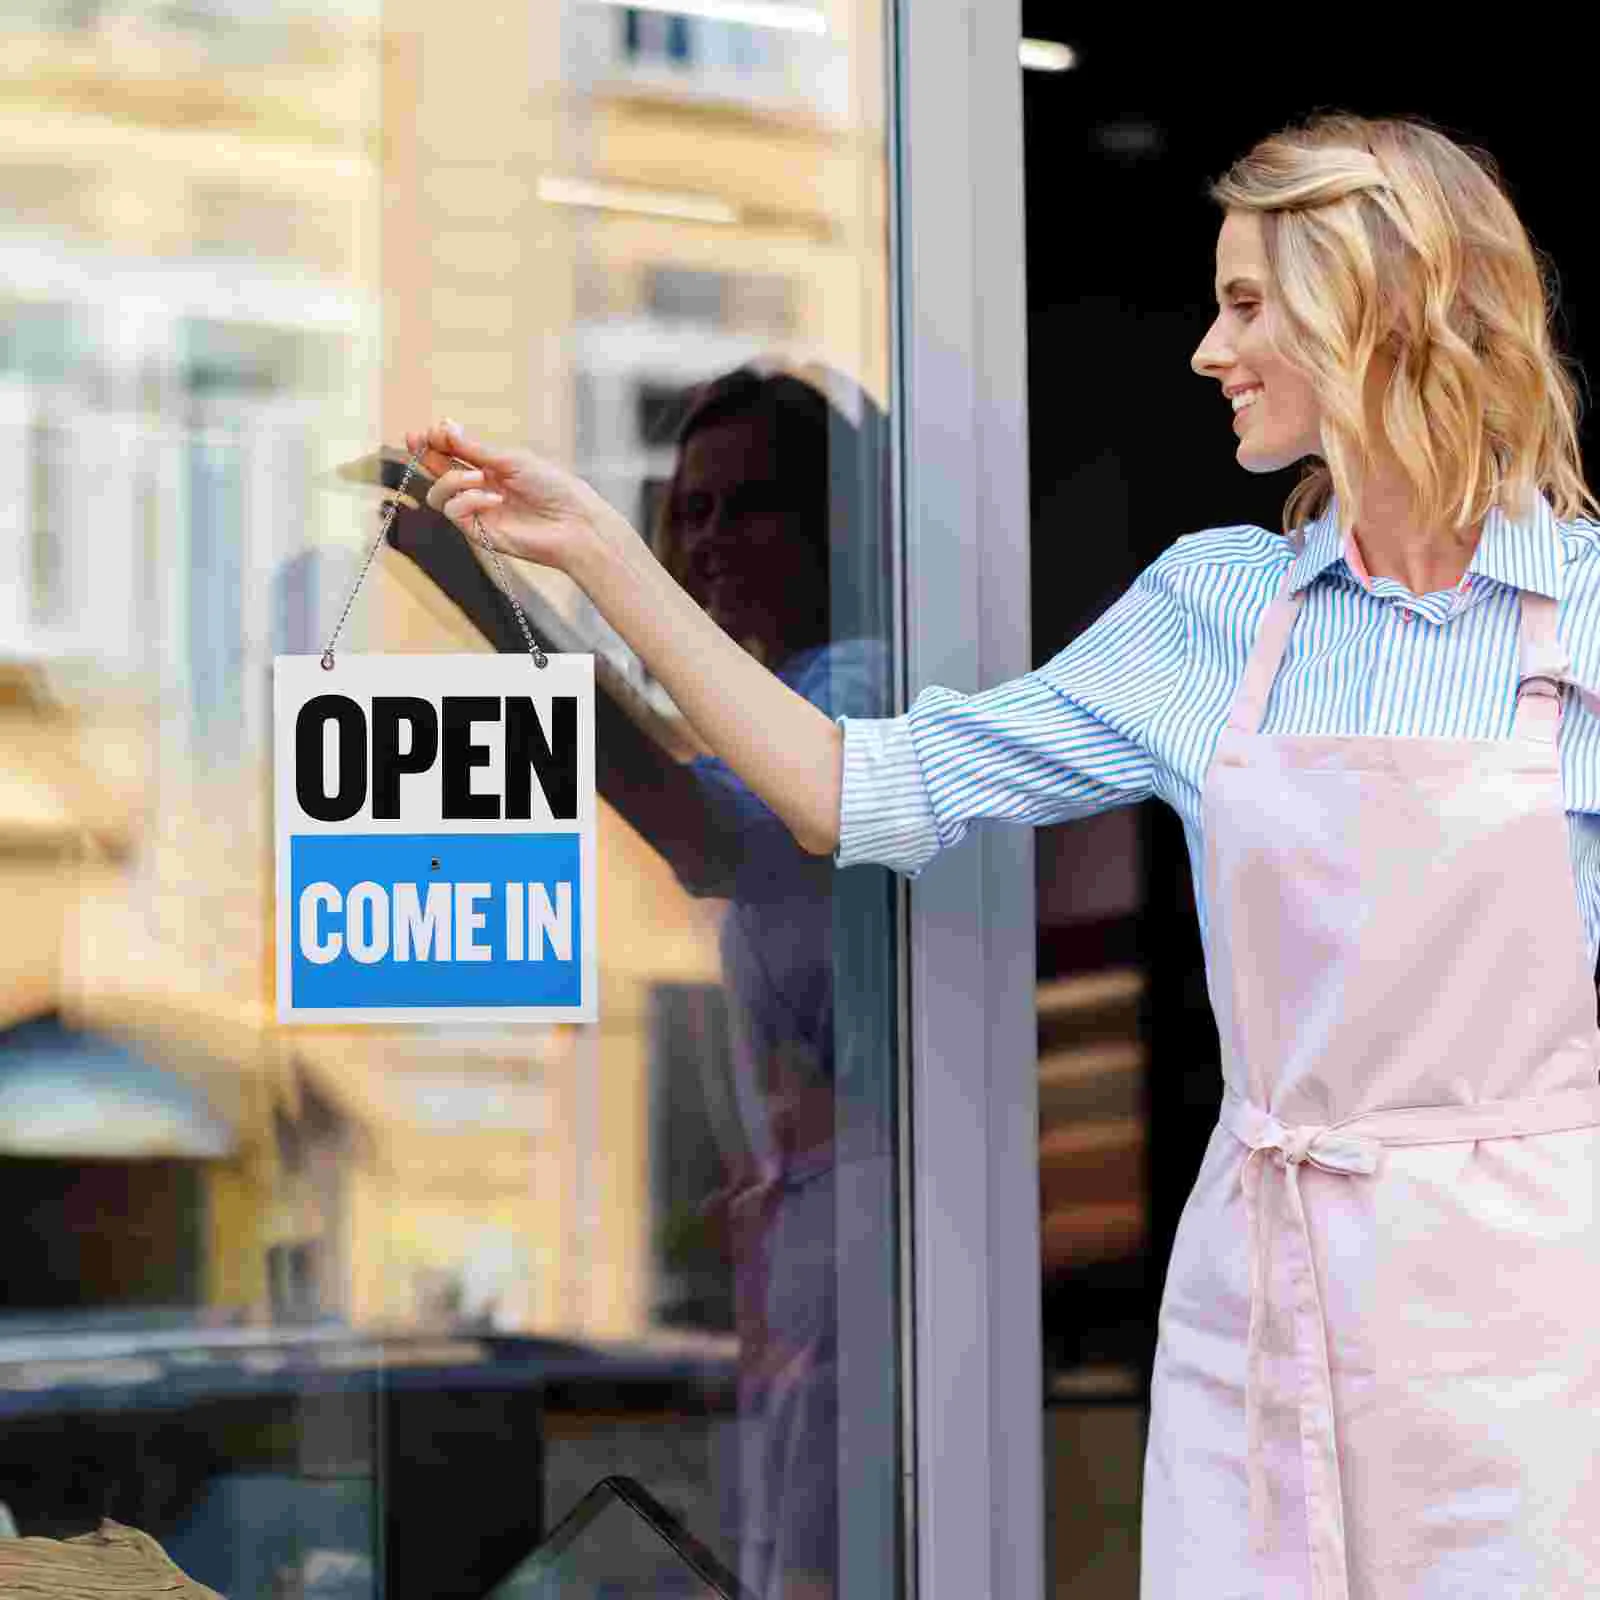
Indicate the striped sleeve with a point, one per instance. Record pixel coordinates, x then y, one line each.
1065 740
884 815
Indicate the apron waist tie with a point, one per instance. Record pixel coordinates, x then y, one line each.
1351 1146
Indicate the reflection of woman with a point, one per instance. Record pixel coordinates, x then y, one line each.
747 527
1377 1373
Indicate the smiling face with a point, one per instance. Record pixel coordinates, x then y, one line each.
1277 419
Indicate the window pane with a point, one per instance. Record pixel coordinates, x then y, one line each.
372 1310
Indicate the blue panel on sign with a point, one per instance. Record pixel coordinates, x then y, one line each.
497 922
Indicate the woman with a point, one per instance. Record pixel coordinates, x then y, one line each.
1377 1372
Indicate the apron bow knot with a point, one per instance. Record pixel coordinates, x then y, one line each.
1323 1147
1322 1144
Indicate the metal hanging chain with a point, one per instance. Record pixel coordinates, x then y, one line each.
355 588
501 576
539 657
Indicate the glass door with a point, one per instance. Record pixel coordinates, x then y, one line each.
377 1311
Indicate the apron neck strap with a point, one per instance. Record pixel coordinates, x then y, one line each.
1543 670
1250 698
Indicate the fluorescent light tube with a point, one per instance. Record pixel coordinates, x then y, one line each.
1045 55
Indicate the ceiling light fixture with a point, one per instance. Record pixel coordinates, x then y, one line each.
1046 55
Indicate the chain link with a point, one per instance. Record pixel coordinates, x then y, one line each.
539 657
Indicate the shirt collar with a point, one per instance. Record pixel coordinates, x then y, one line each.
1522 553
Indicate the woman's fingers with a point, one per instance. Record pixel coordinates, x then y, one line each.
448 438
459 492
451 482
461 507
432 461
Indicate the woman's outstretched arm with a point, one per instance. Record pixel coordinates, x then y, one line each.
781 746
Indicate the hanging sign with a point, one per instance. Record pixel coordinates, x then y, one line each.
435 824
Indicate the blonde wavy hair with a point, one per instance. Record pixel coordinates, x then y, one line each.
1385 232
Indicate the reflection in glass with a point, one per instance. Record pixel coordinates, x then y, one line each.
745 526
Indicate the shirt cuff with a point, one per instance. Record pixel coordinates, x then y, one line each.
884 812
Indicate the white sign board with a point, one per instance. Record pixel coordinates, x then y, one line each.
435 819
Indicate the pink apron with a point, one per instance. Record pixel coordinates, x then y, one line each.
1378 1366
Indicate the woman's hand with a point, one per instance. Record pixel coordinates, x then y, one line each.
525 506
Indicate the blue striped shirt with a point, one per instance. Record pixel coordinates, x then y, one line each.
1133 706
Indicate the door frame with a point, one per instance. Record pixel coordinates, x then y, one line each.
975 1499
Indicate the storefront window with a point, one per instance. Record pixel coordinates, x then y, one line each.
379 1310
